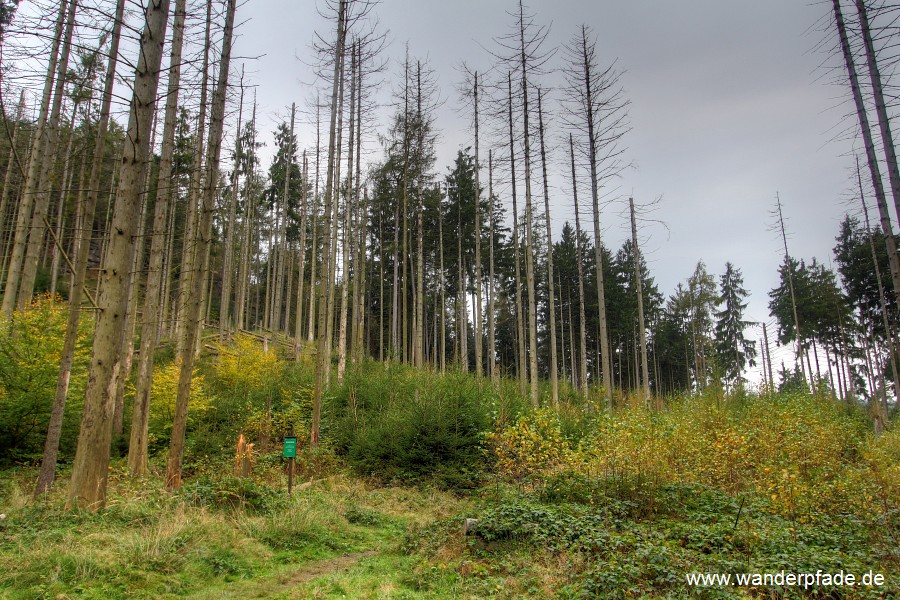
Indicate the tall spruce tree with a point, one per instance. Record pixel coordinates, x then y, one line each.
733 351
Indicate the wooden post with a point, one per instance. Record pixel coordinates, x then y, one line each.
290 453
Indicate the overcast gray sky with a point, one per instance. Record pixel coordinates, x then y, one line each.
729 105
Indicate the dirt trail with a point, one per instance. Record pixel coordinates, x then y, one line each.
286 580
318 568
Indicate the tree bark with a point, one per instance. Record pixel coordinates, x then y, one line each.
579 259
315 225
492 339
90 469
242 301
605 358
298 327
7 179
479 342
529 220
228 258
47 473
346 250
884 123
419 345
189 256
137 447
213 149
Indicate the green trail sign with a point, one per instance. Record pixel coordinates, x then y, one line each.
290 447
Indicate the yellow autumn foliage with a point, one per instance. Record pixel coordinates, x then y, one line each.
243 366
807 455
164 393
533 445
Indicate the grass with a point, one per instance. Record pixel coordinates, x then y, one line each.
148 543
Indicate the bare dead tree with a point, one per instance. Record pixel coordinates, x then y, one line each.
597 113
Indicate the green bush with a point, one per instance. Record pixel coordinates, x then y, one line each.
31 343
399 423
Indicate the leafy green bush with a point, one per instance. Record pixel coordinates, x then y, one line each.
407 424
31 343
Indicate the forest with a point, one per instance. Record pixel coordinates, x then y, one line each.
490 396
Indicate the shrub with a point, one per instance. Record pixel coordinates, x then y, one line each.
807 455
532 446
163 396
30 347
402 423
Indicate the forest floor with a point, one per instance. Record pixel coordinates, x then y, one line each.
346 537
339 537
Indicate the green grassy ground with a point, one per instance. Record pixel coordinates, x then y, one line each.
338 537
343 537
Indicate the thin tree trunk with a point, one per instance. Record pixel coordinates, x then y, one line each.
872 159
281 246
554 376
360 272
90 470
242 300
7 179
54 429
605 358
529 221
520 325
213 149
302 258
479 342
645 369
884 123
321 357
404 255
768 358
579 259
165 322
189 256
137 447
419 345
60 206
395 290
289 292
335 221
562 328
312 268
790 271
346 250
34 200
492 340
443 290
225 305
381 290
462 326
